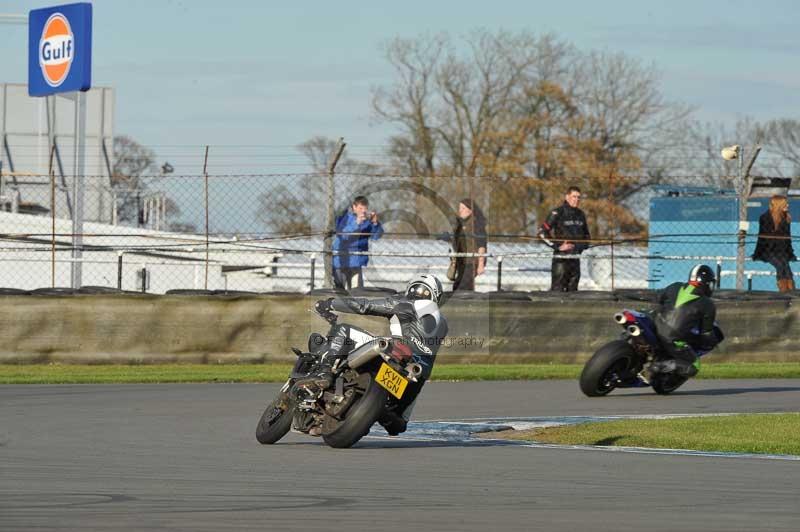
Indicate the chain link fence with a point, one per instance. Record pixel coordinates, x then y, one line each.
221 230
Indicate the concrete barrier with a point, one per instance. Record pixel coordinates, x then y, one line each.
501 328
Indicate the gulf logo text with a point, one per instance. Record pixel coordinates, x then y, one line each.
56 49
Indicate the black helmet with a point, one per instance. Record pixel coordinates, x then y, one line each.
703 276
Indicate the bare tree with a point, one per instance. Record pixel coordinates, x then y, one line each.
298 208
783 138
528 111
133 173
703 164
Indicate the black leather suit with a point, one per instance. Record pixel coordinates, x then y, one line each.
418 322
565 224
686 314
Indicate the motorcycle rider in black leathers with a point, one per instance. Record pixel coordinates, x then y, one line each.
685 322
567 232
414 319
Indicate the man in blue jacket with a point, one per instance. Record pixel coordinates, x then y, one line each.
354 229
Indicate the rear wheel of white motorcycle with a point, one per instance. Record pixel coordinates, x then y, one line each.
276 420
359 417
613 360
666 383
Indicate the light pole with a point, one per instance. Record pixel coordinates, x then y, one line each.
744 185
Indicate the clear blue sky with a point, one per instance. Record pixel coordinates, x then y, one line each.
241 72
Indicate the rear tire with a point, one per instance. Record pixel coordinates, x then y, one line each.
276 420
615 357
359 418
666 383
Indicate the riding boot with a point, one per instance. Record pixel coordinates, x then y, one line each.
676 366
393 422
321 377
686 369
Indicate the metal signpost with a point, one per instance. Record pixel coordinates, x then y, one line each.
60 63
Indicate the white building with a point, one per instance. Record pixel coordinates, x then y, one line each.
31 129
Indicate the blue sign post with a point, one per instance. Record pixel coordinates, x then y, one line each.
60 63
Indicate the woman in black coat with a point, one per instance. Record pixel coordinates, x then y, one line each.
469 237
775 241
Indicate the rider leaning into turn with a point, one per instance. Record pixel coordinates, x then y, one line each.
413 317
685 321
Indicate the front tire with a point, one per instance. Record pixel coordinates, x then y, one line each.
359 418
612 360
276 420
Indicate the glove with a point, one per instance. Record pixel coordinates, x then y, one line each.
323 306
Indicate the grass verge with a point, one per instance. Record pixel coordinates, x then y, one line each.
147 373
744 433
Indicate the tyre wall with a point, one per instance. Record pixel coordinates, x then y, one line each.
501 327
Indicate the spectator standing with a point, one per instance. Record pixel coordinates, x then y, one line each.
469 236
774 243
354 229
567 232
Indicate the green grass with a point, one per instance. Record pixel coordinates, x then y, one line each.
88 374
743 433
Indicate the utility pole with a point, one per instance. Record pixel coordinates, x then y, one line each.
330 223
744 187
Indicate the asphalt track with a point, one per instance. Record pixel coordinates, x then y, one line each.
184 457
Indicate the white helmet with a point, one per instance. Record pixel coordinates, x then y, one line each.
425 286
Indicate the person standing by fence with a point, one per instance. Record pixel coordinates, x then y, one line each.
567 232
354 229
469 236
774 243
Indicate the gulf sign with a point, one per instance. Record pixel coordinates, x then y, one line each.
60 49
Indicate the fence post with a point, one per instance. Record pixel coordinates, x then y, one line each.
500 273
749 282
612 263
330 223
719 274
613 228
144 278
52 217
205 174
313 264
119 269
745 184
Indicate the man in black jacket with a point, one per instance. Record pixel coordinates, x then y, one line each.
567 232
685 321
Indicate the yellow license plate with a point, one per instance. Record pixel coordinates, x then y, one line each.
391 380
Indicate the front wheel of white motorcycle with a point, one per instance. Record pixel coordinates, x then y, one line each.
276 420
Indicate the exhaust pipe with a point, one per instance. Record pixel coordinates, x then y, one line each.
633 330
367 352
620 318
414 371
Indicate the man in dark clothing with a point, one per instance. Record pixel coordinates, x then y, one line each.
469 236
567 232
685 321
414 319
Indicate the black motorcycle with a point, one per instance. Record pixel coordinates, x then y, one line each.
370 378
625 363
